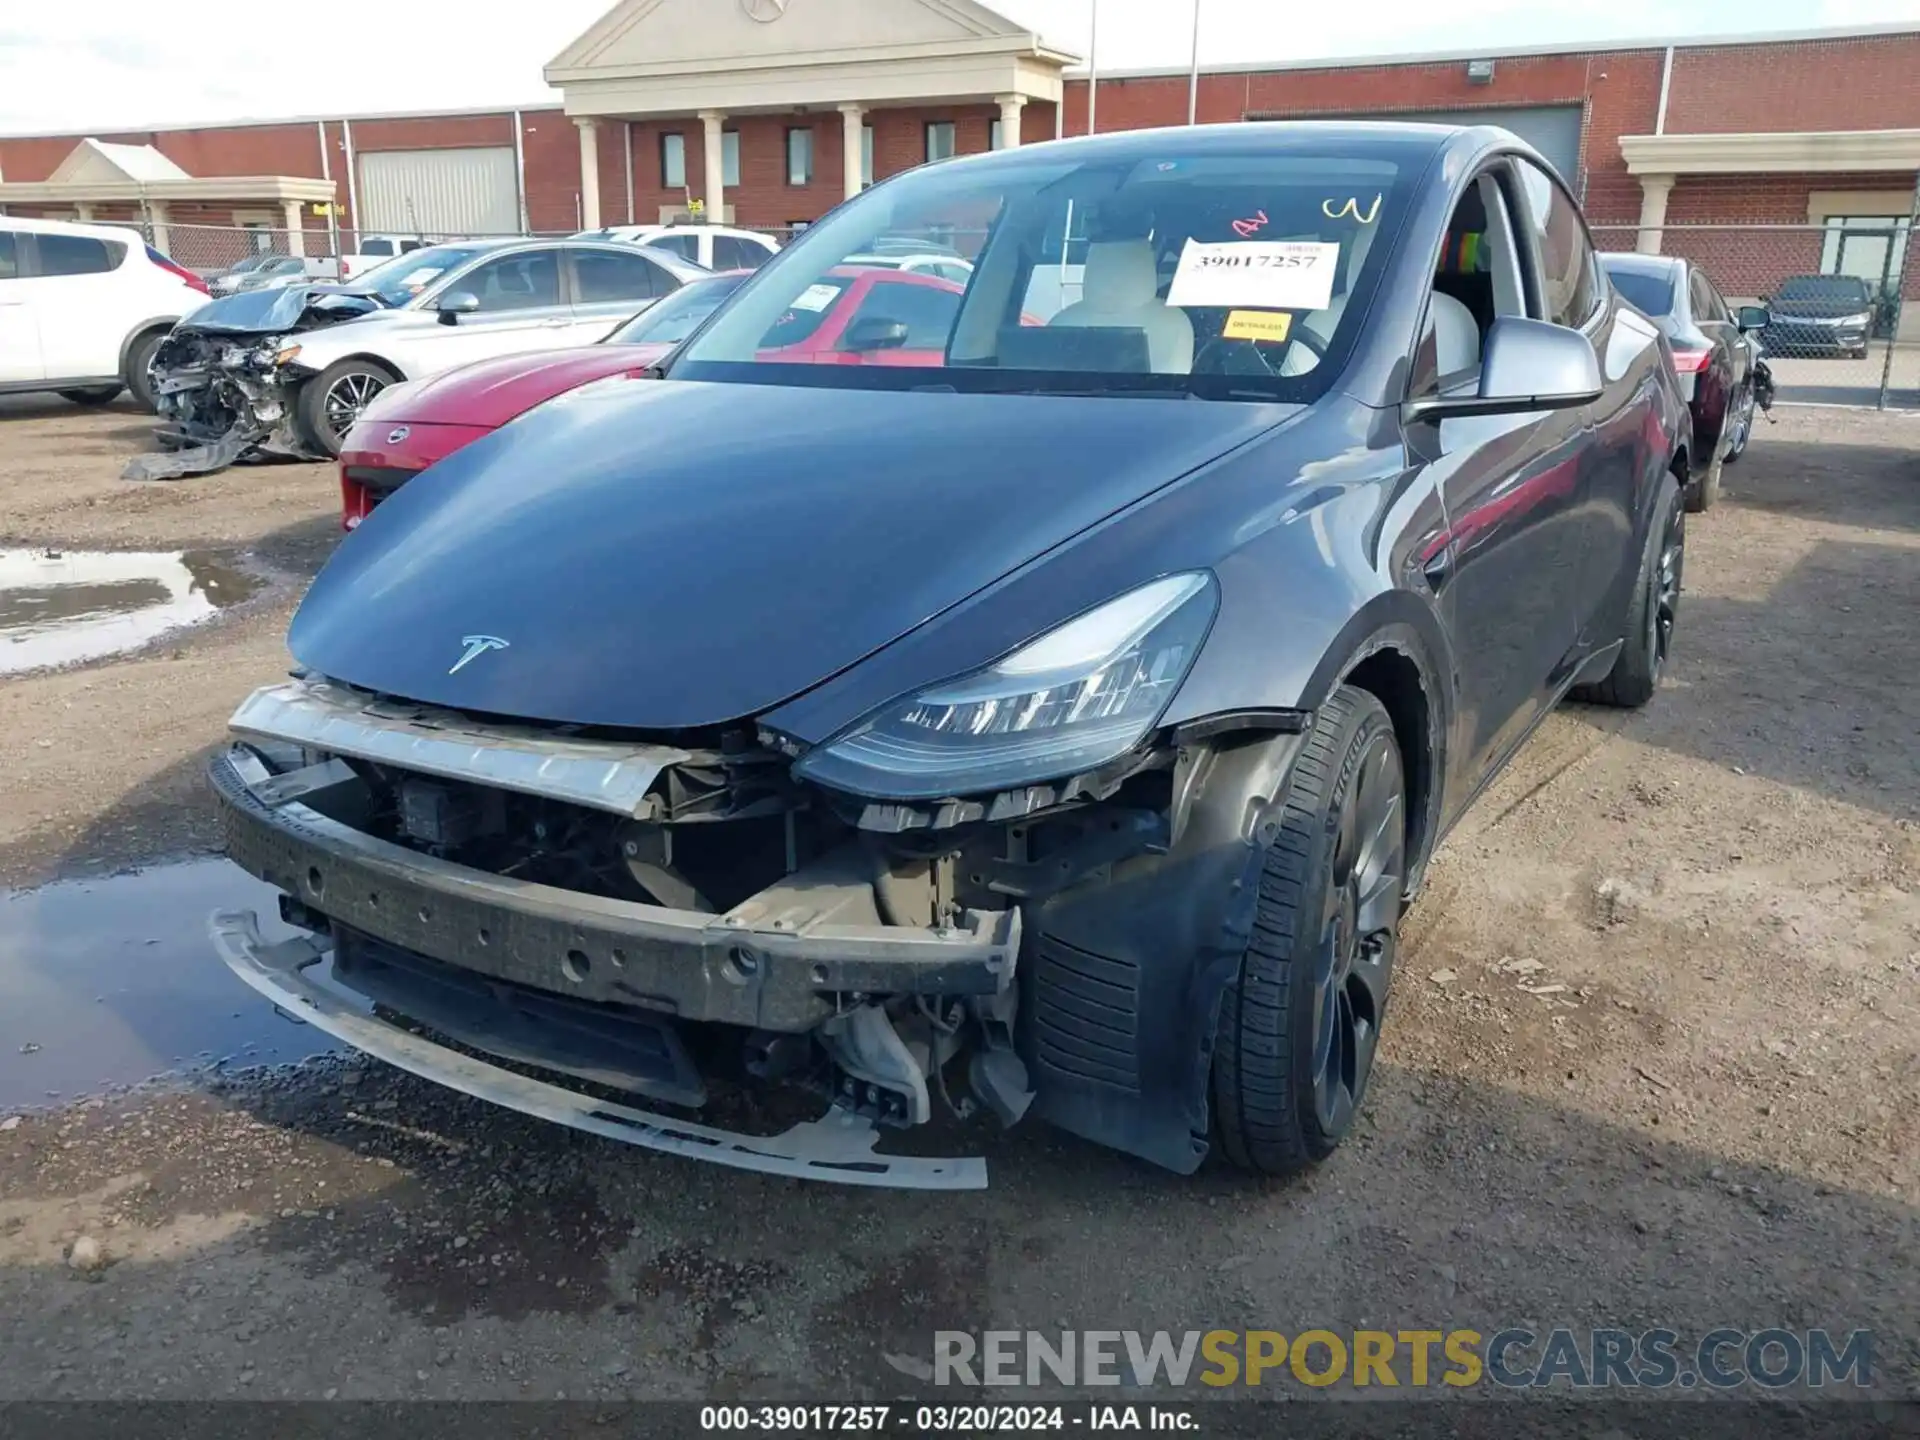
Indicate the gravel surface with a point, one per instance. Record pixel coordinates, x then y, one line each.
1652 1057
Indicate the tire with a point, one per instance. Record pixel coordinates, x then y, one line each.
139 360
323 425
1742 427
1652 615
1703 489
1300 1024
93 394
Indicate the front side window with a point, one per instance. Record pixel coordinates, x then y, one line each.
377 247
1195 270
603 276
9 256
799 157
686 245
77 255
1569 291
926 310
514 282
729 160
735 252
939 140
673 161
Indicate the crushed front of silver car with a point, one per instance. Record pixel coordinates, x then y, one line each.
225 382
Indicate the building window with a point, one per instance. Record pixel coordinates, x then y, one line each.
866 155
799 157
673 161
729 160
993 134
939 140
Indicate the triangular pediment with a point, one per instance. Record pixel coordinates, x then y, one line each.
639 35
95 162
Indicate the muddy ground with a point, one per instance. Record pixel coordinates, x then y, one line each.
1651 1061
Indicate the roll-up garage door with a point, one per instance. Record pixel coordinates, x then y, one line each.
439 192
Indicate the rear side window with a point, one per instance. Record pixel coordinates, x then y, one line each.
9 256
730 252
1650 294
686 246
78 255
1569 287
600 276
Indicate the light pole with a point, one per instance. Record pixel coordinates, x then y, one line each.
1093 62
1193 76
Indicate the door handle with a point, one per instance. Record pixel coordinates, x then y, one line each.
1438 568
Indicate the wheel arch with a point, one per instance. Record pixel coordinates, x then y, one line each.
161 323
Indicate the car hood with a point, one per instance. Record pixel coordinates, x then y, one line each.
665 554
492 392
278 309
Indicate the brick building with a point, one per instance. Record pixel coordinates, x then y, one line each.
768 118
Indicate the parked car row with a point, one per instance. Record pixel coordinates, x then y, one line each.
879 693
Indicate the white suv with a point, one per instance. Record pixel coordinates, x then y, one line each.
718 247
82 308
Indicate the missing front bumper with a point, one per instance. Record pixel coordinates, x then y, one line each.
838 1147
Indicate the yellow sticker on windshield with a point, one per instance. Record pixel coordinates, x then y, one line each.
1257 325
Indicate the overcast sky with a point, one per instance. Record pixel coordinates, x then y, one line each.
125 63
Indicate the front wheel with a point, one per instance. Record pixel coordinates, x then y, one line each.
1299 1027
331 401
1654 612
139 371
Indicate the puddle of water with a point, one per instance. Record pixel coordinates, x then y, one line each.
112 981
62 607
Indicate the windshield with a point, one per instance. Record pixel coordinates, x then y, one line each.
1185 269
400 280
1649 294
1827 289
669 321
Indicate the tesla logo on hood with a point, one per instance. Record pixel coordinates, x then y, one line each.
477 645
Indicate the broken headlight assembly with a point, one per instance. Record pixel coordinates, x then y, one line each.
1077 698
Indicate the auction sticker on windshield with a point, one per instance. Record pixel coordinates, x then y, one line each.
816 297
1256 274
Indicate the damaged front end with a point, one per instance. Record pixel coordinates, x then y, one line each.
223 381
681 921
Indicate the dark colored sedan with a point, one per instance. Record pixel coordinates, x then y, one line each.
1820 315
1057 729
1713 357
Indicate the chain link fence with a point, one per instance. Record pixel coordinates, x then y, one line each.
1844 300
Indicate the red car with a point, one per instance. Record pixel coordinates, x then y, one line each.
853 316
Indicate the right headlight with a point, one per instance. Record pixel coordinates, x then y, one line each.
1078 697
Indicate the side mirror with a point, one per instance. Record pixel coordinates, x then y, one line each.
452 307
1526 365
1754 317
875 332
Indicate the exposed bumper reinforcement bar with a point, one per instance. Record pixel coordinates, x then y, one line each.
839 1147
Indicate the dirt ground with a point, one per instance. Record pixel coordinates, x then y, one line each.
1651 1060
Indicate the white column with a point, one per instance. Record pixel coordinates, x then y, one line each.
83 211
296 227
853 121
1010 108
716 166
589 172
1654 190
157 215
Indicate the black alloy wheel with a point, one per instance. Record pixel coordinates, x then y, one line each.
1300 1027
1654 613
